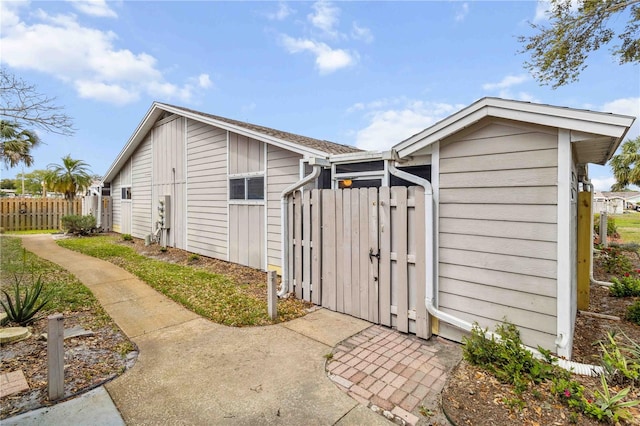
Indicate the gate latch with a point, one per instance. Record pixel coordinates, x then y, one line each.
372 255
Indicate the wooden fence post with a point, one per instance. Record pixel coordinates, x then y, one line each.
603 229
55 356
272 294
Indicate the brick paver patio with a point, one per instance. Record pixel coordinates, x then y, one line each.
392 372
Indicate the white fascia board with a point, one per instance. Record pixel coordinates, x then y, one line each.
289 146
354 157
143 128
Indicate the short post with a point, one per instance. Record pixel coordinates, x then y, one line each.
603 229
272 294
55 356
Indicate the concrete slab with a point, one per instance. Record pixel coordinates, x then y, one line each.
361 415
327 327
121 290
94 408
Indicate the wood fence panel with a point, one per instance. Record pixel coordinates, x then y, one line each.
316 242
328 249
400 230
34 214
355 253
346 253
374 262
385 256
339 252
306 247
363 255
423 328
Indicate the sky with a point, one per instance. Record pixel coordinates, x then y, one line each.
362 73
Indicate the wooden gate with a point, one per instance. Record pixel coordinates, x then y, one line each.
361 252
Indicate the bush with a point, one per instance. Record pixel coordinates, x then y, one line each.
79 225
615 261
127 237
627 286
612 229
633 313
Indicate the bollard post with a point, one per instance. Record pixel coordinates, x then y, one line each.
603 229
272 294
55 356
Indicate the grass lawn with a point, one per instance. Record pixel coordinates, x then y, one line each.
67 293
213 296
628 225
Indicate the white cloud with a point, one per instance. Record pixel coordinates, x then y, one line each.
508 81
462 12
626 106
325 17
282 13
98 8
542 6
388 126
327 59
361 33
603 184
204 81
86 58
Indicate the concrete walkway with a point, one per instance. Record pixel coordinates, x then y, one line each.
193 371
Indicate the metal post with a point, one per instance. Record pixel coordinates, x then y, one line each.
603 229
272 294
55 356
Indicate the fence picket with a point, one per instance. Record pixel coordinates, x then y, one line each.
35 214
400 236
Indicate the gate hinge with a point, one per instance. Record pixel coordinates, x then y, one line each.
372 255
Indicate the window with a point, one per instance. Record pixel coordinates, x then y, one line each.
126 192
246 188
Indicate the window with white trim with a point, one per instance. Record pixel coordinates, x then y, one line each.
126 192
246 188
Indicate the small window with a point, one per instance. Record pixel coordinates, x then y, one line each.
126 192
249 188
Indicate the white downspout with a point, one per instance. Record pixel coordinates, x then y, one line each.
592 280
284 219
431 285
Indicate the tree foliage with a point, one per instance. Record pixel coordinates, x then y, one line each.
16 144
32 182
68 178
22 103
626 165
577 28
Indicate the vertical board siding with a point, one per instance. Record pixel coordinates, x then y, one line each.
283 169
169 175
497 224
207 221
30 214
116 207
141 176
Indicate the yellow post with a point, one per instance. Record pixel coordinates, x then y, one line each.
584 249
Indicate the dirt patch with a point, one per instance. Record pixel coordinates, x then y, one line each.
474 397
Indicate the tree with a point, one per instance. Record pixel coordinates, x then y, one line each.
32 181
626 165
579 27
21 102
16 144
7 184
69 178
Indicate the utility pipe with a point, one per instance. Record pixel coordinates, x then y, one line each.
284 220
592 280
431 285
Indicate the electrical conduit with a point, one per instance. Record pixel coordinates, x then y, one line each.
431 285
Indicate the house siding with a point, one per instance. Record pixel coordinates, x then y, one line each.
498 229
169 174
283 169
207 223
141 177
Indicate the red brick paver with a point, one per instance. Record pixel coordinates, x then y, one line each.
396 372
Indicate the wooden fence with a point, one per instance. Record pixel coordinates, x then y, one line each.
31 214
361 252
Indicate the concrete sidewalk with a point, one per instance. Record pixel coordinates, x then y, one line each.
193 371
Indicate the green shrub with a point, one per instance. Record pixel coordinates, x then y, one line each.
614 261
612 229
23 308
127 237
79 225
626 286
633 313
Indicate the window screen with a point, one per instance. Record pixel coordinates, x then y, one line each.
249 188
236 189
255 188
126 192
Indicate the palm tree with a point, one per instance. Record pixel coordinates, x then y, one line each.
69 178
16 144
626 165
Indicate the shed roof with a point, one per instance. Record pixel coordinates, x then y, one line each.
297 143
596 135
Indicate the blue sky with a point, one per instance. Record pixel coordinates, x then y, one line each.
361 73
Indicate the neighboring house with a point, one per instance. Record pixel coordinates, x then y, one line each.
609 202
501 209
223 179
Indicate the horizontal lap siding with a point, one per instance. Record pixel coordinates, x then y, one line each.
207 221
141 190
116 210
283 169
498 231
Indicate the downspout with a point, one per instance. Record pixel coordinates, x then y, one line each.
284 218
431 285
